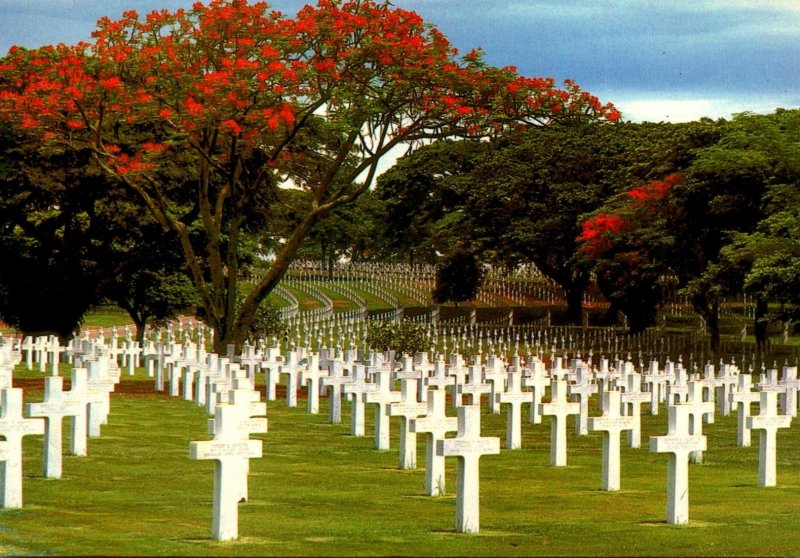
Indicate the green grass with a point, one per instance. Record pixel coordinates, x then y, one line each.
107 315
320 492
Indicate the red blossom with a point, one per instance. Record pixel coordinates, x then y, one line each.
234 66
597 232
653 192
231 126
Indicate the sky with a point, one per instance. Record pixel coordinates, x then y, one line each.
656 60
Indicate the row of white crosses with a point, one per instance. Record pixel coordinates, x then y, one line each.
421 408
87 404
621 396
420 403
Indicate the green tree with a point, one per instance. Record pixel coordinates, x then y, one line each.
66 233
765 259
424 194
458 278
404 337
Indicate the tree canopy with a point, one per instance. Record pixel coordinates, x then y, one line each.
256 101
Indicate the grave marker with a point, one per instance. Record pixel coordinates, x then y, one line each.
583 388
335 380
767 422
514 397
407 408
612 424
435 424
468 446
699 409
679 444
744 397
56 405
14 427
311 376
559 408
227 449
382 397
358 389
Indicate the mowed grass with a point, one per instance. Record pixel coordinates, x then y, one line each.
318 491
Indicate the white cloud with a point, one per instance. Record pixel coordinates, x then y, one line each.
653 108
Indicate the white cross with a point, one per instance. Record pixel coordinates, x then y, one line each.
13 427
358 389
468 446
632 399
699 409
743 397
56 405
679 443
335 380
514 397
228 449
311 376
435 424
407 408
583 390
559 408
612 423
767 422
381 398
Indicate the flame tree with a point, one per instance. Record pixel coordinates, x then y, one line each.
257 100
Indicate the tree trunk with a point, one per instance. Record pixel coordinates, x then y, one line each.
709 311
574 293
761 326
140 327
712 323
245 317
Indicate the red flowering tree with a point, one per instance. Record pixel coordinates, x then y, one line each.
257 100
629 246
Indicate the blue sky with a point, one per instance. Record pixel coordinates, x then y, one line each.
671 60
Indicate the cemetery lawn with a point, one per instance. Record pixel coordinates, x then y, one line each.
320 492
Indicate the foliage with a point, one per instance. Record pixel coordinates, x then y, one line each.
424 194
255 101
403 337
267 323
765 259
521 198
351 232
458 278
